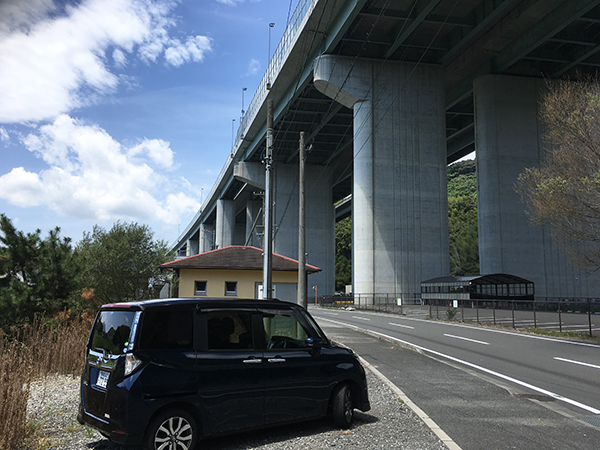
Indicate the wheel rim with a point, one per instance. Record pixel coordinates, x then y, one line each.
175 433
348 408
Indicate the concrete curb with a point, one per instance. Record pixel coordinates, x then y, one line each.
447 440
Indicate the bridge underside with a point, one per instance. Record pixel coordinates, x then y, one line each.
485 53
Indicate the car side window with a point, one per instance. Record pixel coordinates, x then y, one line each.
229 330
167 329
282 330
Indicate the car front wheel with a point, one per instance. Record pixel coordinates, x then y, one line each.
172 430
343 406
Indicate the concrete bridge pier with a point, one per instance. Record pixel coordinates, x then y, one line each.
254 224
508 139
320 220
207 237
400 204
192 247
225 224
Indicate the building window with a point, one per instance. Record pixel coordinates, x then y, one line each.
199 287
231 288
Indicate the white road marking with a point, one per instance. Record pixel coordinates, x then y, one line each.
361 318
400 325
482 369
577 362
467 339
492 330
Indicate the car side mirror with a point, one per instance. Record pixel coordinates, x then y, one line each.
314 342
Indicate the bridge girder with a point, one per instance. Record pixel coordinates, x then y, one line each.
468 38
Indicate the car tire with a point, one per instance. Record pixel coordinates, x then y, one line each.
343 406
174 427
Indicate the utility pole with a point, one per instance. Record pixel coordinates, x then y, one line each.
302 297
268 208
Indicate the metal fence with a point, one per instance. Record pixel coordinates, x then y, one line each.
580 315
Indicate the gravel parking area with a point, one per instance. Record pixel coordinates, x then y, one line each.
389 425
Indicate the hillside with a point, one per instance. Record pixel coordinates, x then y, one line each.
462 179
462 218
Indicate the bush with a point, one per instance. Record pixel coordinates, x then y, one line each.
55 346
451 313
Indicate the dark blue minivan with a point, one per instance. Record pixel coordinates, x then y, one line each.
165 373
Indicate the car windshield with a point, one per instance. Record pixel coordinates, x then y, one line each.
112 331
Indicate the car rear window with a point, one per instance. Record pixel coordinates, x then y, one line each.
167 329
112 331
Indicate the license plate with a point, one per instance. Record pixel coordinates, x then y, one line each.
102 379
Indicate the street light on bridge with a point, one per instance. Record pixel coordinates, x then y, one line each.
242 117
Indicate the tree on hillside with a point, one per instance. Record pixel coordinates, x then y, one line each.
564 192
462 179
462 218
37 276
343 254
463 235
123 263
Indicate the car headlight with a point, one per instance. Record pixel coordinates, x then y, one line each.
131 363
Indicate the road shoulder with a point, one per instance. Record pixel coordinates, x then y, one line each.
474 412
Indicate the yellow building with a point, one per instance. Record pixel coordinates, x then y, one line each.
235 271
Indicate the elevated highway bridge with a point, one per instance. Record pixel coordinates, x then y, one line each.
388 93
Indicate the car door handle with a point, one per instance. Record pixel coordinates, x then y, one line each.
276 360
253 361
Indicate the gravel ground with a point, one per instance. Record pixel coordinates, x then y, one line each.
389 425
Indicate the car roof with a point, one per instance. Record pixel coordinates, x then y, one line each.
202 303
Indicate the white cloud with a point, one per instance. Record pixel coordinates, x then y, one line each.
230 2
19 14
4 137
177 205
119 58
156 149
92 176
194 49
22 187
253 67
52 64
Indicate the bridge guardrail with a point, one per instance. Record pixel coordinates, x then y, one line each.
302 11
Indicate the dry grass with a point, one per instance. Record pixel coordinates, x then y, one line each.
34 352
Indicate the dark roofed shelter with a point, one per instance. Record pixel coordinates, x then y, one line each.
499 286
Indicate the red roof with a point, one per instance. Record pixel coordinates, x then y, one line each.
236 257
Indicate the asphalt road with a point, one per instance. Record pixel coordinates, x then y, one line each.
486 388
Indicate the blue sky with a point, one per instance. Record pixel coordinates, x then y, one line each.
122 109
